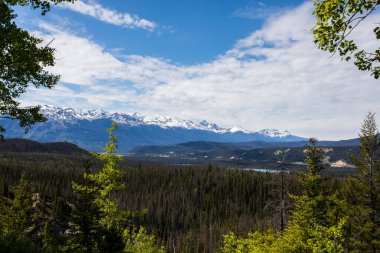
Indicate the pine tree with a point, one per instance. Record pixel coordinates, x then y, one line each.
109 180
17 220
362 193
16 212
98 223
308 229
85 229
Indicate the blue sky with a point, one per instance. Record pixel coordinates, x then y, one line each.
246 63
186 32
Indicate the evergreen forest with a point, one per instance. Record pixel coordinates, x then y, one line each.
57 197
82 202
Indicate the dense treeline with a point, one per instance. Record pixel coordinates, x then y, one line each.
188 209
28 146
81 215
80 203
344 219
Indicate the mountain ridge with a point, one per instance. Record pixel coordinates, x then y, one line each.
59 113
87 129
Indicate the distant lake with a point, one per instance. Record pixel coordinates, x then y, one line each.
264 170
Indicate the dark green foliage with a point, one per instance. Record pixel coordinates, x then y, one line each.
29 146
20 219
12 244
85 227
190 208
327 218
361 193
22 63
95 222
309 229
44 5
187 208
16 212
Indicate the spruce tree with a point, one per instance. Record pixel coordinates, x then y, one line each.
85 229
109 180
308 229
17 220
98 223
362 192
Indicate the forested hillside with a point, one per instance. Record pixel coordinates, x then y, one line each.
77 202
169 184
29 146
187 208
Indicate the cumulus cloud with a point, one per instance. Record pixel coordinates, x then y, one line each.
95 10
274 78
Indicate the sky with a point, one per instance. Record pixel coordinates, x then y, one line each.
245 63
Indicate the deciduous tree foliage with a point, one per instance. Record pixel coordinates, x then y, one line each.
36 4
336 19
23 62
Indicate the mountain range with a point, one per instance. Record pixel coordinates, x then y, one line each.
86 128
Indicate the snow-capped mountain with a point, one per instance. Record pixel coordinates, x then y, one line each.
70 115
86 128
275 133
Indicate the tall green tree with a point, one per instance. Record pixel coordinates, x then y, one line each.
103 216
308 229
85 228
336 19
108 180
362 192
23 62
17 220
16 212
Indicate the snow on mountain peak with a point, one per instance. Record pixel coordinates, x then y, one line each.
236 129
71 115
68 114
275 133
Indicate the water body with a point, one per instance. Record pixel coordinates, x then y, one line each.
264 170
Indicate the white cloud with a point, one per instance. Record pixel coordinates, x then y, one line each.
93 9
258 11
274 78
